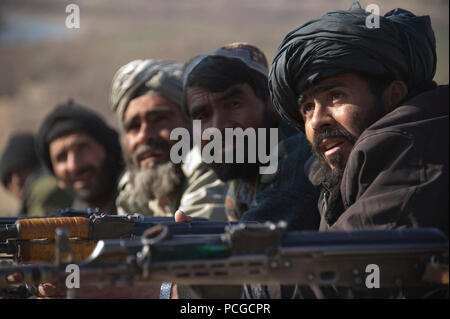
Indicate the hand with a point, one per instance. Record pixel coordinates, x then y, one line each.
50 291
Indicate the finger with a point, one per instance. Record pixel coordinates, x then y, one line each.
174 292
51 290
181 217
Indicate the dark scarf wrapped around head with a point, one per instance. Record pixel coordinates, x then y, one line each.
403 47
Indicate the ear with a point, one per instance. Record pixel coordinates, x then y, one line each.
394 94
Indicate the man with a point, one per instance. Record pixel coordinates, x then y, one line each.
376 120
227 89
84 154
21 173
146 97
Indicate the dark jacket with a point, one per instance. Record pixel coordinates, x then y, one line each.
397 173
396 176
287 194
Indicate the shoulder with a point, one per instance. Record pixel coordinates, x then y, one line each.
193 163
293 154
199 174
44 197
420 121
426 111
297 142
43 185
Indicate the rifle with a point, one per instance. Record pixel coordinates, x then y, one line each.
32 239
64 212
259 254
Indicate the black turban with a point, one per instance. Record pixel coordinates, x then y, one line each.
70 117
403 47
19 153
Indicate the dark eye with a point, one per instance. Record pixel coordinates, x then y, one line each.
336 95
161 118
132 127
60 158
83 147
200 116
306 108
235 103
197 116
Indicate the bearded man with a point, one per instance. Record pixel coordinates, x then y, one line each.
366 100
146 97
83 152
375 118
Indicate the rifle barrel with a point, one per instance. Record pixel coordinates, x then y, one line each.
321 258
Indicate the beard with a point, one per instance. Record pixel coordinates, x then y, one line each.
331 175
230 171
103 184
156 180
329 172
330 178
336 161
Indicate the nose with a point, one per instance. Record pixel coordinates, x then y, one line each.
146 133
74 162
321 118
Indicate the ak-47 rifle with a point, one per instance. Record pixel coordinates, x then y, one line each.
258 253
33 239
64 212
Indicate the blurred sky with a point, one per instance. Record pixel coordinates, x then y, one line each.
43 63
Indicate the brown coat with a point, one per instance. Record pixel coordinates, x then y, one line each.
397 173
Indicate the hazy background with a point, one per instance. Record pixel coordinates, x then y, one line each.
42 63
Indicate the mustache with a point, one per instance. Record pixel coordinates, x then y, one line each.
330 133
72 176
156 182
149 146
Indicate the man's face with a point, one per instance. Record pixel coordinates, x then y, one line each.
336 111
236 107
79 163
148 121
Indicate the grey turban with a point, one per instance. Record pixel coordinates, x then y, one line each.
146 76
338 42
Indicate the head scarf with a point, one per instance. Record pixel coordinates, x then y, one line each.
249 54
253 57
18 153
403 47
143 77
